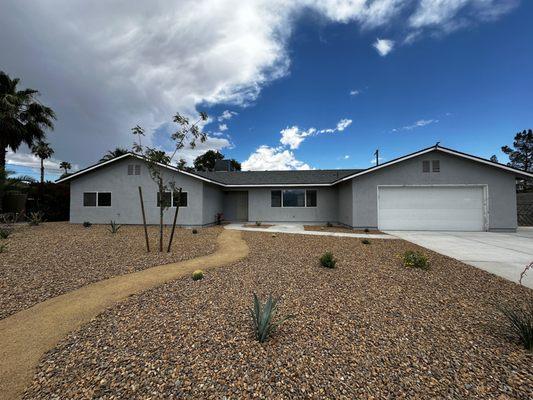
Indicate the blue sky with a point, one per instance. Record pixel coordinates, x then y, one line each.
303 81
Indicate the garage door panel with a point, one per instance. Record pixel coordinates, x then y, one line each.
431 208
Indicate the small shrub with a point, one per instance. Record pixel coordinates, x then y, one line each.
197 275
521 322
36 218
5 232
367 230
327 260
194 231
3 248
415 259
329 224
113 227
219 218
264 318
257 223
365 241
87 224
274 235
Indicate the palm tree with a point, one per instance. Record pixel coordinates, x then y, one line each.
23 119
119 151
65 165
43 151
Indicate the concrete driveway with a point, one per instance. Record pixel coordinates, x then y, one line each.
503 254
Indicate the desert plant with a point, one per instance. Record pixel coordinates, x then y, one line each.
415 259
197 275
329 224
3 248
264 318
524 272
327 260
367 230
194 231
36 218
219 218
113 227
5 232
521 322
257 223
365 241
87 224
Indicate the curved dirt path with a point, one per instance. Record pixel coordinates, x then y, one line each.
27 335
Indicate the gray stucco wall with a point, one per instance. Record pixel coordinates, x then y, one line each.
212 203
125 205
453 170
259 207
345 203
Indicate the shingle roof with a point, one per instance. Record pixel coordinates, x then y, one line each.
324 176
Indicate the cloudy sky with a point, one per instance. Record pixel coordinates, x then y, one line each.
287 83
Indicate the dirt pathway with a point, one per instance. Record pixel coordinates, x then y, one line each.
27 335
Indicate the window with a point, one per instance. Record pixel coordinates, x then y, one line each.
275 198
183 200
172 198
89 199
425 166
310 198
104 199
134 169
94 199
294 198
435 166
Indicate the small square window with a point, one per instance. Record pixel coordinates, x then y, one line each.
425 166
137 169
166 199
134 169
183 200
435 166
275 198
130 169
89 199
310 198
104 199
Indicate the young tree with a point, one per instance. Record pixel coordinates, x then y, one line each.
23 119
42 150
119 151
521 155
187 134
65 165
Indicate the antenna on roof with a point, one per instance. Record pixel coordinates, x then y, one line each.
437 144
377 156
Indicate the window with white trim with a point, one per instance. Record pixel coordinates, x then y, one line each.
97 199
134 169
172 198
293 198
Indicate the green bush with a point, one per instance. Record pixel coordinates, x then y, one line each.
197 275
327 260
5 232
113 227
35 218
415 259
257 223
521 322
86 224
329 224
264 318
365 241
3 248
194 231
367 230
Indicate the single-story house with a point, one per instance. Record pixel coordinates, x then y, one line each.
436 188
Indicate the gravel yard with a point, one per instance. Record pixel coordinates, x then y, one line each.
338 228
53 258
368 329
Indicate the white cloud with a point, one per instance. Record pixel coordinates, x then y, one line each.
223 127
383 46
354 92
212 143
346 157
293 136
418 124
272 159
343 124
226 114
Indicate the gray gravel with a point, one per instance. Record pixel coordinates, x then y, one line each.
368 329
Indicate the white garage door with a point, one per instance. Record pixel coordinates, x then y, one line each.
433 208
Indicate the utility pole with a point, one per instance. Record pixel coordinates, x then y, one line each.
377 156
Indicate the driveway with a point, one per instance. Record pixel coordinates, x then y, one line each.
503 254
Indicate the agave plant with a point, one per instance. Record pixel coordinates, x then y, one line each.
113 227
35 218
264 318
521 322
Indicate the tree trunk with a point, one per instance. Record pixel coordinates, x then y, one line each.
174 222
3 151
161 208
144 220
41 186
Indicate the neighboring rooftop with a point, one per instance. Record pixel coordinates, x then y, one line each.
323 176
